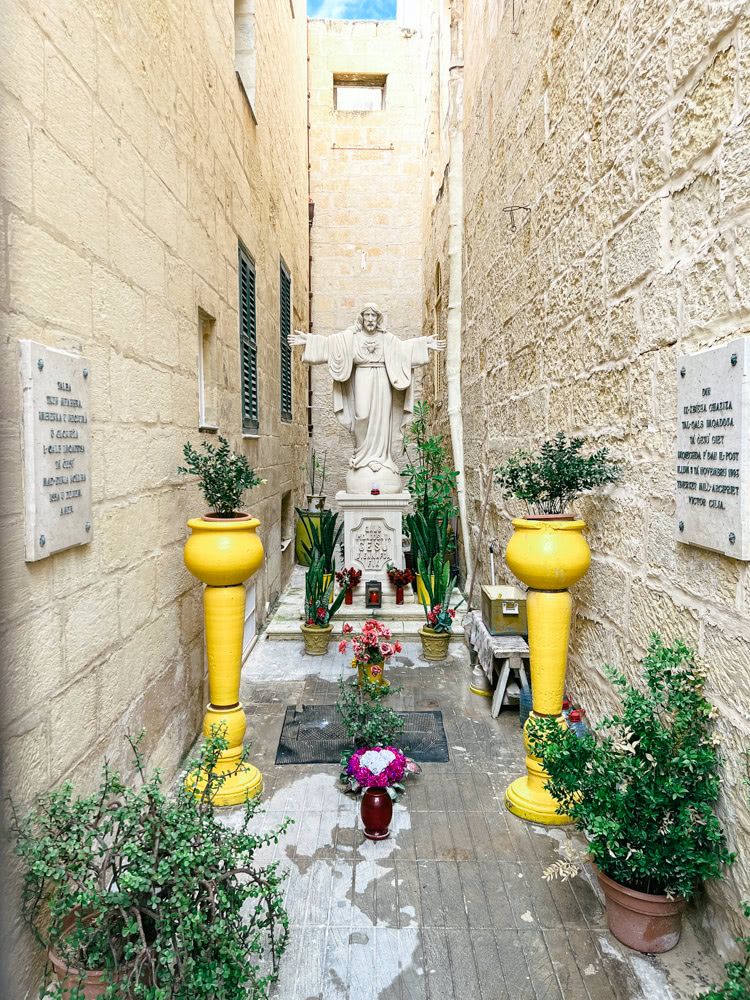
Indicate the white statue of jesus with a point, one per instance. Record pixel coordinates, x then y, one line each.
372 391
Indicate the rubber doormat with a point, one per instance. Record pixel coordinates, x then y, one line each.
316 736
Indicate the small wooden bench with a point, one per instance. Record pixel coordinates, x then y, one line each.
491 654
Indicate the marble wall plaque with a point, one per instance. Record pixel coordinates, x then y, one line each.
56 449
713 449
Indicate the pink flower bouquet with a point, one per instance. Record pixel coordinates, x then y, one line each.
372 648
379 767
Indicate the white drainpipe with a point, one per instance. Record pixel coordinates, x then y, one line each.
455 270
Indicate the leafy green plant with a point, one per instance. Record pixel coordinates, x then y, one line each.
314 469
552 481
323 537
152 888
737 984
367 720
439 584
644 791
223 475
429 477
319 608
430 540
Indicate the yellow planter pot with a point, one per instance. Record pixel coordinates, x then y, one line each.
548 556
223 553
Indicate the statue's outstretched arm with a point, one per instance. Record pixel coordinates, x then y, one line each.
434 344
299 337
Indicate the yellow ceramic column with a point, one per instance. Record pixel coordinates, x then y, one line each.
548 556
223 553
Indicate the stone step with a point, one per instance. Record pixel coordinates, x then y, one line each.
408 629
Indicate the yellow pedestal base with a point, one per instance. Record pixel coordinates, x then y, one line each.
224 553
248 781
549 557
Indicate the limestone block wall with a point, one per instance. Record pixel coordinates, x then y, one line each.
365 182
624 127
131 165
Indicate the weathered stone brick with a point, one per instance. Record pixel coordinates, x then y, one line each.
705 112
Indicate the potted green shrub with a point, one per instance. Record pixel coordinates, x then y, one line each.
315 504
431 482
223 551
643 791
319 609
324 533
552 480
431 546
134 892
439 615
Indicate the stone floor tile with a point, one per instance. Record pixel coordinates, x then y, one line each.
452 905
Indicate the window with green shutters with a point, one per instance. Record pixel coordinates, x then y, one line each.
285 328
248 343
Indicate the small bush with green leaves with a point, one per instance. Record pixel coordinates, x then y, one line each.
429 477
153 889
643 791
551 481
319 608
737 984
223 475
367 720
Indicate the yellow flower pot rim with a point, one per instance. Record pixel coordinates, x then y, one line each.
316 628
574 524
224 524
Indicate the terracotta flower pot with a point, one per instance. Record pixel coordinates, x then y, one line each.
642 921
434 644
316 638
377 811
90 985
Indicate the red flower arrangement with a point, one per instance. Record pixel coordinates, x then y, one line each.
440 619
349 577
400 577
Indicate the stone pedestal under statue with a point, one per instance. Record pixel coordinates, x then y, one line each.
373 528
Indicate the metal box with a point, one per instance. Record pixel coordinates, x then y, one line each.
504 610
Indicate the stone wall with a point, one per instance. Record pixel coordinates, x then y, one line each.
132 164
365 182
623 126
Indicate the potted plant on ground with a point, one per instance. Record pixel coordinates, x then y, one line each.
223 550
315 504
324 539
378 770
431 546
372 648
643 792
367 720
319 609
436 634
548 553
348 579
133 892
399 579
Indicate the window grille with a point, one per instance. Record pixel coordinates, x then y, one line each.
285 328
248 343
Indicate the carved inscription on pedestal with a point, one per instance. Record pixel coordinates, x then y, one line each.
56 449
713 450
372 544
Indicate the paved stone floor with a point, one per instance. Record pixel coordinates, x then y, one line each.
453 904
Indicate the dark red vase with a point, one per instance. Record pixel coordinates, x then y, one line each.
399 595
348 596
377 810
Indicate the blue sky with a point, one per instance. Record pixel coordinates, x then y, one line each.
380 10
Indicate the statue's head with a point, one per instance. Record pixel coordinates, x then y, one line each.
370 319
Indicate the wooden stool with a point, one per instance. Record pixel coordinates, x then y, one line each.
515 661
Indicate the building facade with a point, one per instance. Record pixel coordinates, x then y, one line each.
153 155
